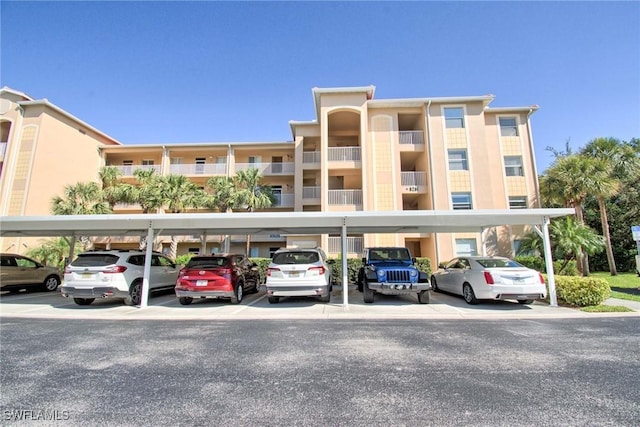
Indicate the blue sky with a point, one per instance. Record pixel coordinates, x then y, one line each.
170 72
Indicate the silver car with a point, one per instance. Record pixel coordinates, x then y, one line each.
491 278
18 272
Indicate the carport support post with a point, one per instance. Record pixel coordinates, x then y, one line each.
345 271
548 260
147 269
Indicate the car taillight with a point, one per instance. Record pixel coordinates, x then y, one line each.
114 269
488 278
182 272
67 270
320 270
270 270
541 278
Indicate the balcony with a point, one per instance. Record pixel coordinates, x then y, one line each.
284 200
128 170
413 182
345 197
344 154
411 140
355 245
311 192
311 159
199 169
269 169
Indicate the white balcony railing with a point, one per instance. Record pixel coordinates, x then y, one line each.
416 179
355 245
311 192
311 157
284 168
128 170
284 200
344 154
345 197
412 137
199 169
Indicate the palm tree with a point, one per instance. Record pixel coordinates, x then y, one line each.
178 193
52 252
222 199
615 161
146 193
252 195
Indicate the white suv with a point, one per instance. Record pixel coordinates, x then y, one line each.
117 274
299 272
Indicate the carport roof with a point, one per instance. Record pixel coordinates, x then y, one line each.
424 221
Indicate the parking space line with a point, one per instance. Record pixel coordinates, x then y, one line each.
244 307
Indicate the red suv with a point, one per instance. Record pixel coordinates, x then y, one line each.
217 276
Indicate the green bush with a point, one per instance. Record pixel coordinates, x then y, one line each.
354 264
424 264
538 264
262 264
580 291
183 259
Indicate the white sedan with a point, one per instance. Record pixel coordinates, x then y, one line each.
491 278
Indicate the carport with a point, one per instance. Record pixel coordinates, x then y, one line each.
151 225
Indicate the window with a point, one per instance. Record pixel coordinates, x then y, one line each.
454 117
508 126
276 190
461 200
518 202
458 160
254 159
513 166
466 247
147 163
254 252
200 161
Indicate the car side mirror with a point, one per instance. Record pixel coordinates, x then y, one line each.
413 260
364 260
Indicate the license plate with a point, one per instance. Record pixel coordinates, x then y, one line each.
202 282
87 275
294 273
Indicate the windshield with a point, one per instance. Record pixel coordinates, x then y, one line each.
95 260
389 254
207 262
296 257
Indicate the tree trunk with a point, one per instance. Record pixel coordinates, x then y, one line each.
248 244
607 236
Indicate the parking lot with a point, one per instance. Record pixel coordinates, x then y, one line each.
166 306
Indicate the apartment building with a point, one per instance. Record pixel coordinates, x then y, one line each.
357 154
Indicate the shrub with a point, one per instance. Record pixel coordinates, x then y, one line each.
354 264
262 264
580 291
183 259
424 264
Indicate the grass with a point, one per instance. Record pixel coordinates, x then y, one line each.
623 286
605 309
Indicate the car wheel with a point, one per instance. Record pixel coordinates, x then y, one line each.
468 294
237 298
367 293
135 293
274 300
185 300
256 287
434 284
424 297
525 301
327 297
51 283
83 301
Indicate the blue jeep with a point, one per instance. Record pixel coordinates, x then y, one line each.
392 271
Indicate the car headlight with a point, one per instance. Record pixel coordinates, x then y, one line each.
413 273
380 273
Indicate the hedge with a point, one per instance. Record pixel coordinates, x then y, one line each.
580 291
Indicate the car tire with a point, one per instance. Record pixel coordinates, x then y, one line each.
525 301
434 284
83 301
51 283
468 294
273 300
367 293
424 297
185 300
360 280
327 297
135 294
256 288
238 294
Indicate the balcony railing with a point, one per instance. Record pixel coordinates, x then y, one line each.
345 197
311 157
284 168
344 154
128 170
412 137
199 169
413 178
311 192
284 200
355 245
